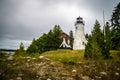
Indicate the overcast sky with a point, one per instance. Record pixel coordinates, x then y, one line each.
23 20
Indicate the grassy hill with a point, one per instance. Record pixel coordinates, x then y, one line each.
66 56
74 56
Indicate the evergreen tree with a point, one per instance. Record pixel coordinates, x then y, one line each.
107 41
33 48
115 21
46 42
88 47
98 35
56 32
71 38
94 46
86 36
21 49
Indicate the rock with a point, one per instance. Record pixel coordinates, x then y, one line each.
33 58
118 69
117 74
52 63
47 59
19 78
48 79
10 58
20 74
86 66
28 57
103 73
70 79
28 60
85 78
14 64
27 64
41 57
74 71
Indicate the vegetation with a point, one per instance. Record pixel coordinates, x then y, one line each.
53 64
107 41
21 50
33 48
115 21
99 42
71 38
62 56
95 46
46 42
59 65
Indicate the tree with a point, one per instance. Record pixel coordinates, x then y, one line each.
33 48
115 23
21 49
98 34
71 38
107 41
46 42
94 46
86 36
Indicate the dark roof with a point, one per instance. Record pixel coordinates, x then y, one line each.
79 18
63 35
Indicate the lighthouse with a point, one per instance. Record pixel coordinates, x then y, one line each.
79 38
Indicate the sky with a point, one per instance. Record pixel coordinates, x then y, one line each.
23 20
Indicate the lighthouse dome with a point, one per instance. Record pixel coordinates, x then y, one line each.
79 20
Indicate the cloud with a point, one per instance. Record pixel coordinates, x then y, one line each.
28 19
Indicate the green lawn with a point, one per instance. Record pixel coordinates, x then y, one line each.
66 56
73 56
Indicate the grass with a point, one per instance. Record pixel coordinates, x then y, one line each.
74 56
66 56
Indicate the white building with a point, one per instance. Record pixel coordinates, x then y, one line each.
79 38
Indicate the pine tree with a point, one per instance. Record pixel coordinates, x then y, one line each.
46 42
107 41
71 38
94 46
98 34
33 47
21 49
88 48
115 21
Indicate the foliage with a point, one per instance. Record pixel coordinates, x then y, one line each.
71 38
1 55
86 36
98 35
115 21
94 46
32 48
46 42
21 49
107 41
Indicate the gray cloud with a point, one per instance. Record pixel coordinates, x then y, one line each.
27 19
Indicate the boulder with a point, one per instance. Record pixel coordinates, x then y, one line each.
19 78
41 57
10 58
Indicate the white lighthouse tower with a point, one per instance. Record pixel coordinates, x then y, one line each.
79 38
